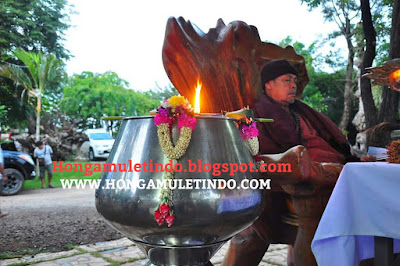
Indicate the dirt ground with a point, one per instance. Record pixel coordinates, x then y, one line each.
50 219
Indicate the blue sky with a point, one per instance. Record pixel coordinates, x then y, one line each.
126 36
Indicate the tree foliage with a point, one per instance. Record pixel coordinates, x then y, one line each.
33 25
381 17
343 13
346 14
312 94
30 25
34 76
91 96
3 111
390 98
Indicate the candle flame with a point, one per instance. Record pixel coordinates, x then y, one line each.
197 99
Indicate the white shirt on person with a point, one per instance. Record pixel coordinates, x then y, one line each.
45 153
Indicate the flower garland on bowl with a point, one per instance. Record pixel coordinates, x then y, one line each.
176 108
249 133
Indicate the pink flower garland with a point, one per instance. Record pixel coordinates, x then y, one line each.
163 117
248 130
166 115
185 120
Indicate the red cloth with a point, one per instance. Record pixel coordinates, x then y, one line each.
318 149
323 139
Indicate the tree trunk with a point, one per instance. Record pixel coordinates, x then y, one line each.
31 123
359 119
37 135
369 55
348 87
39 101
390 98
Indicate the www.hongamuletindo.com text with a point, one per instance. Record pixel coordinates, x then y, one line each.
188 183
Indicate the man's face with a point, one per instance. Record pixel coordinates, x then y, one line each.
282 89
41 146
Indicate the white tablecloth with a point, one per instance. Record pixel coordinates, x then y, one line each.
364 203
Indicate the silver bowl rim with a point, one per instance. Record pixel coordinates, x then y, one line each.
197 117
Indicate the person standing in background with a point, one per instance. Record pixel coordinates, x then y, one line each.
43 153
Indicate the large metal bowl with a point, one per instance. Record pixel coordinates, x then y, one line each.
205 218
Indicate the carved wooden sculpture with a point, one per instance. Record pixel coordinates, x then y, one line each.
310 185
385 75
227 60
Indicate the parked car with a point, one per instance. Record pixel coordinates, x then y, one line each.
100 143
18 167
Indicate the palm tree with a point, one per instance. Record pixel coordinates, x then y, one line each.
37 71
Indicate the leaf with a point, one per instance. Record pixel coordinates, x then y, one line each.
17 75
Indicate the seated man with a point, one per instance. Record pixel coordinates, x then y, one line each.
294 124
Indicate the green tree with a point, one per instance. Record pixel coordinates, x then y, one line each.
33 25
18 110
38 70
381 16
30 25
390 99
312 94
346 14
330 85
343 13
3 111
167 92
90 96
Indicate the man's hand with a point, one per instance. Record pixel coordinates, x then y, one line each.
368 158
5 179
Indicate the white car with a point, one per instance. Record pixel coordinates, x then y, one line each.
100 143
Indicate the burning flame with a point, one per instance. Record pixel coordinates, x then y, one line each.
396 74
394 79
197 100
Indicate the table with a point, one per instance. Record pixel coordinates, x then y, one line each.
364 203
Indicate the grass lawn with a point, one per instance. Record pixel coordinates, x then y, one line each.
35 183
